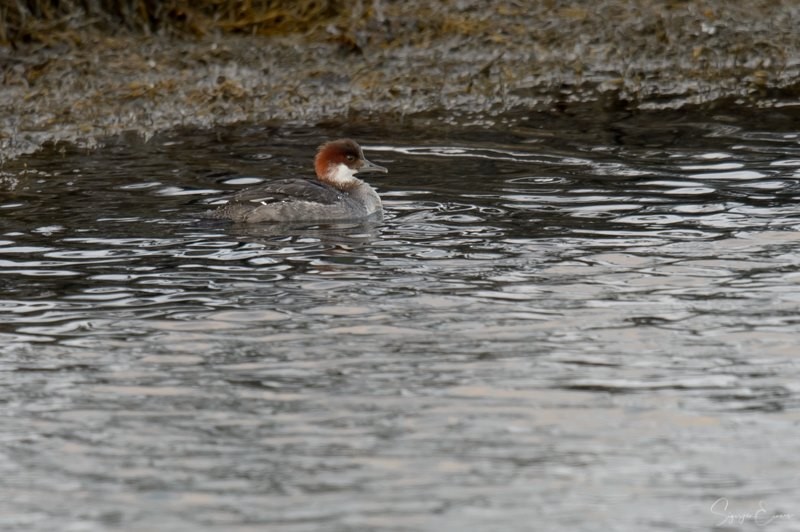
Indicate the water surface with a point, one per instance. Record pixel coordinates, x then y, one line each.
567 322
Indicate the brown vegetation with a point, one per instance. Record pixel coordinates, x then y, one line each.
83 70
45 20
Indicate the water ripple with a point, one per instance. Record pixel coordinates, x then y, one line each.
545 305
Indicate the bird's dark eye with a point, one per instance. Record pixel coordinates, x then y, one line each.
351 158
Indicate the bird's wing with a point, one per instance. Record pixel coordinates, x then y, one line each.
288 189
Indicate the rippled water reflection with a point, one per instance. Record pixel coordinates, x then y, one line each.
563 323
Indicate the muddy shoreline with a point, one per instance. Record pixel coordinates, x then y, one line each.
457 63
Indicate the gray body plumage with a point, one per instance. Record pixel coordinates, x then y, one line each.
294 200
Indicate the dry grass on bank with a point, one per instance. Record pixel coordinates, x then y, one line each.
23 21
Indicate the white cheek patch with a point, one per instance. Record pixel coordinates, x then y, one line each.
341 175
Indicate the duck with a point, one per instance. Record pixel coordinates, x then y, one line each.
335 195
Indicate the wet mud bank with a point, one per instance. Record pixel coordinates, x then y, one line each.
390 61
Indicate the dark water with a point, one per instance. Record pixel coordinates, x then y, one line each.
564 323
